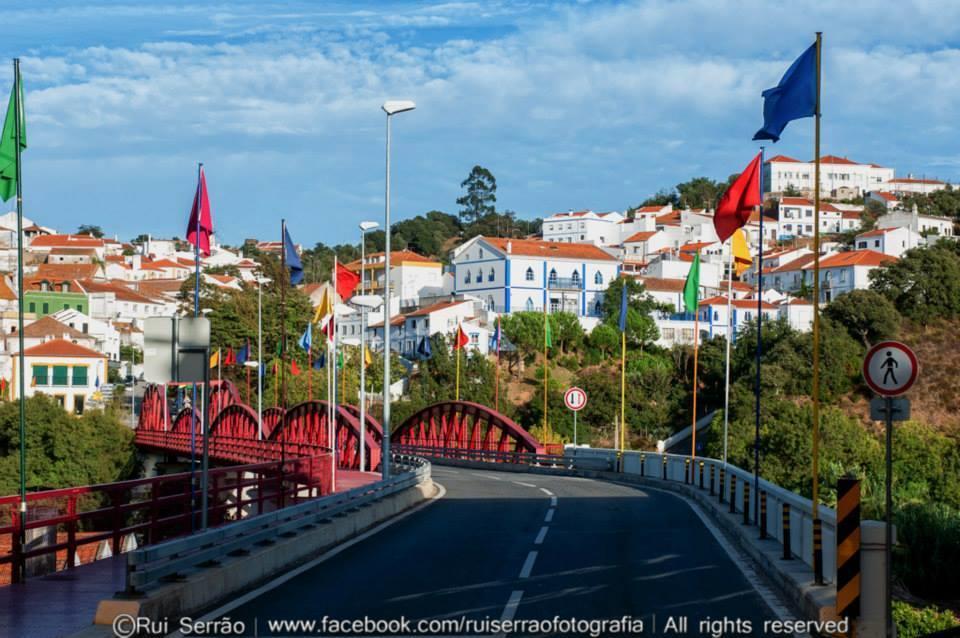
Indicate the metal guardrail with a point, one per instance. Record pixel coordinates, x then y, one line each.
489 456
171 559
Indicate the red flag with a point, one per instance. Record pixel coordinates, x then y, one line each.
201 209
347 281
461 339
230 359
738 201
294 370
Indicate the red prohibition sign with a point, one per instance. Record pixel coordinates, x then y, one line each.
575 399
890 368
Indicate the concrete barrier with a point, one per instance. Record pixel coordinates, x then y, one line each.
204 588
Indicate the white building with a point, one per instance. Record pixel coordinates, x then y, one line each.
66 371
797 313
889 200
911 185
889 241
923 224
839 176
797 218
512 275
107 337
585 226
412 276
44 244
842 272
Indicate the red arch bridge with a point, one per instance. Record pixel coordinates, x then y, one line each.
450 429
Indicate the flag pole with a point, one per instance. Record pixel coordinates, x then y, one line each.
546 359
456 337
196 313
310 365
496 387
333 365
19 573
756 433
726 386
623 385
817 551
696 345
284 280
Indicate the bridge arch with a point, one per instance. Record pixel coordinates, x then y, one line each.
464 425
152 412
307 423
236 420
183 420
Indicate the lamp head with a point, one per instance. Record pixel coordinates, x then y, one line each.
370 302
365 226
392 107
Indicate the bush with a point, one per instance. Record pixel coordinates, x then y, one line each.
913 622
929 550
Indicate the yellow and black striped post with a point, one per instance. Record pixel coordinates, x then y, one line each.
701 475
722 484
713 469
763 514
746 503
643 462
787 553
664 467
687 478
848 548
733 493
817 551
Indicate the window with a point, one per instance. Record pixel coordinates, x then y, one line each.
529 276
529 304
40 375
46 308
575 278
65 287
61 399
598 308
481 253
44 286
667 333
553 277
687 334
598 278
79 308
491 275
66 306
80 375
60 375
474 338
716 316
554 305
466 280
78 401
490 303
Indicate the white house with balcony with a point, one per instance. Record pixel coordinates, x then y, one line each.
513 275
839 176
69 372
585 226
797 217
842 272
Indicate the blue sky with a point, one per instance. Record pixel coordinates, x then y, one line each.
570 104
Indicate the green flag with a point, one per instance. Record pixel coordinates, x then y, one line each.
8 146
691 289
340 360
547 331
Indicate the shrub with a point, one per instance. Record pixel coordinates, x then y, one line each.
929 550
913 622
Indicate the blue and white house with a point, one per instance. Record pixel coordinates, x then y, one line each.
514 275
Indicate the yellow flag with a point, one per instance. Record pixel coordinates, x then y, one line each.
325 308
367 357
215 358
741 252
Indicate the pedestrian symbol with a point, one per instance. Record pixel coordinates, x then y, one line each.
890 368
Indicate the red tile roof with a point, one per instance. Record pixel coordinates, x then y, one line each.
658 284
877 232
694 246
6 292
397 257
746 304
783 158
650 209
49 327
795 201
913 180
855 258
643 235
435 307
890 197
795 264
833 159
59 272
119 289
61 348
553 249
62 241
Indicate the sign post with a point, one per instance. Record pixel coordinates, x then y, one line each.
575 399
890 369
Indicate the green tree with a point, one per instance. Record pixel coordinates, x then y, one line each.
641 328
605 338
700 192
481 195
866 314
90 229
924 284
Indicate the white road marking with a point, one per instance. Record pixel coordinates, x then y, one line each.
528 564
546 491
251 595
549 516
524 484
541 535
511 609
553 501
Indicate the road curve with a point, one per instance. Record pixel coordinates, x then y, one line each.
501 545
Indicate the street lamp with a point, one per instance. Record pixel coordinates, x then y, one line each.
391 108
260 282
365 302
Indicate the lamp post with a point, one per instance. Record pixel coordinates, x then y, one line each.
364 227
391 108
365 303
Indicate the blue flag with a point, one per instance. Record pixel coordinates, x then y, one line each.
306 339
623 307
321 361
424 349
243 354
496 337
292 258
795 97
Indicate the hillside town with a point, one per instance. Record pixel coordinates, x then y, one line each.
86 297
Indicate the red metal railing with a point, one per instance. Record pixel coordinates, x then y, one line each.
228 448
158 508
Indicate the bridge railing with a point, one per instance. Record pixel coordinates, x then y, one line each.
145 511
149 565
799 524
487 456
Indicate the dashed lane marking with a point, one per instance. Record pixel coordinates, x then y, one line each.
528 564
541 535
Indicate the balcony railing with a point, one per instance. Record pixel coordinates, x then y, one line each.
564 283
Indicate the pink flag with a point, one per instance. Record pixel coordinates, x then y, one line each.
201 208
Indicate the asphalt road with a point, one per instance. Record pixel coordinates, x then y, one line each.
503 545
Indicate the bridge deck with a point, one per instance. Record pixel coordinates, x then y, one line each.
64 602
